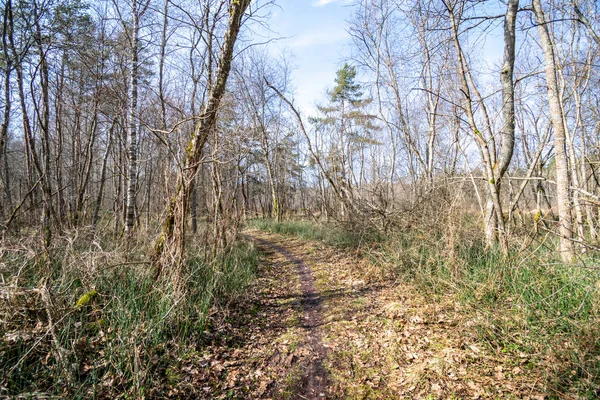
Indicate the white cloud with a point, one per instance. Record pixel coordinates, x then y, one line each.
312 90
321 3
319 38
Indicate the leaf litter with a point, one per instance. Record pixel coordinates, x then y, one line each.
380 339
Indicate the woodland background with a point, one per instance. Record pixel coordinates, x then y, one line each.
138 138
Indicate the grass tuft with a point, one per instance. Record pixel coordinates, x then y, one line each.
102 326
331 235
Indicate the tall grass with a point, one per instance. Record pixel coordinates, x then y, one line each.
528 303
106 327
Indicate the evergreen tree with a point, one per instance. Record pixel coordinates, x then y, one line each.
346 89
346 127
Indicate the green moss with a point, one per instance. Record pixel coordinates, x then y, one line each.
189 149
86 299
167 227
96 326
160 244
172 376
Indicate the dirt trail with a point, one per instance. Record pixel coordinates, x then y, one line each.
314 377
321 323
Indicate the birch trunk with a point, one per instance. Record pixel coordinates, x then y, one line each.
132 119
556 117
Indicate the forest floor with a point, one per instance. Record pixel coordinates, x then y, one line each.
321 323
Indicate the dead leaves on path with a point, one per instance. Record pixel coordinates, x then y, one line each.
258 351
389 342
383 340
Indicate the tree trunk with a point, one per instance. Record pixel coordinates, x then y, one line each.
96 214
556 117
169 247
486 153
44 125
194 205
6 118
132 119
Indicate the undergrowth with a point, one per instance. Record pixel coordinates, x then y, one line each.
529 305
90 320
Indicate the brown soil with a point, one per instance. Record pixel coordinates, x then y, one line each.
314 377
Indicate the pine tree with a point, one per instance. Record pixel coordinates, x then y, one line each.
346 128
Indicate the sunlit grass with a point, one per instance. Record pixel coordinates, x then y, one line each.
122 340
332 235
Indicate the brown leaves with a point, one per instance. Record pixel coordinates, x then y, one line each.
257 351
384 341
388 341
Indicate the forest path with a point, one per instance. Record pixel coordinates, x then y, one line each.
313 382
322 323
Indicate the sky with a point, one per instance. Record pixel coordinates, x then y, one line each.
315 33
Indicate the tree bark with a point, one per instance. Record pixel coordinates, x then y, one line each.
98 204
169 247
6 117
132 119
487 154
556 117
508 91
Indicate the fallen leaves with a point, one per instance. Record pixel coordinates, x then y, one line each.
387 341
384 340
258 351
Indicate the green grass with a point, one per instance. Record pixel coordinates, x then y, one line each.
331 235
529 302
126 341
536 305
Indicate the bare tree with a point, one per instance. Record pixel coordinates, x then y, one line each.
557 117
138 9
171 241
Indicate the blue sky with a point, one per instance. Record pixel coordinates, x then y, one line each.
316 36
314 33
